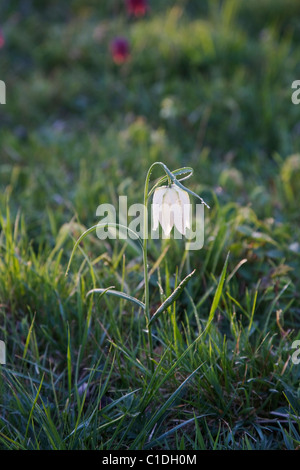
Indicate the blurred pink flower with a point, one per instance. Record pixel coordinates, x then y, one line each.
137 7
120 50
2 40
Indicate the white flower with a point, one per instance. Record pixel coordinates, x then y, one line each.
171 206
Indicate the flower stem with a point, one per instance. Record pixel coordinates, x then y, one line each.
147 309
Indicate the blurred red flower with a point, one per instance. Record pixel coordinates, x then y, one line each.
2 40
137 7
120 50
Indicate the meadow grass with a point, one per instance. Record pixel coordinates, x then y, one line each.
208 85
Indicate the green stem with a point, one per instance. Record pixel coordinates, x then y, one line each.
146 274
145 255
147 309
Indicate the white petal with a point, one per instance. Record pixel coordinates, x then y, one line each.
170 197
187 211
178 218
171 205
187 215
183 196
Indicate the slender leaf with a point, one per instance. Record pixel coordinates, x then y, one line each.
117 293
169 301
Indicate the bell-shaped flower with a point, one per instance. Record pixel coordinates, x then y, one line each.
171 207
